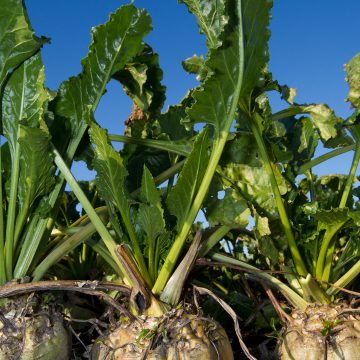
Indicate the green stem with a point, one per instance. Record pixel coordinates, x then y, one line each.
175 249
99 247
345 279
324 265
298 261
179 148
64 248
325 244
221 135
294 298
2 240
20 222
331 154
40 228
11 214
93 216
351 176
213 239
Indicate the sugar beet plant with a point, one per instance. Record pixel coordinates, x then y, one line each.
306 228
153 224
37 125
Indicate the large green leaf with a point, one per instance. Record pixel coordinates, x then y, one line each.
237 66
113 45
353 78
24 99
24 103
255 21
231 210
110 180
211 18
17 40
110 171
36 165
182 195
254 185
141 79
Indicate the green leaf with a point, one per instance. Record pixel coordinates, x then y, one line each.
182 195
36 165
241 150
24 99
211 18
110 180
149 193
113 45
24 102
324 119
331 217
18 41
256 16
231 210
171 123
353 78
110 171
141 79
254 185
196 65
213 101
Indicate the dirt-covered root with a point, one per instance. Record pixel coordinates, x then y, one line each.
329 332
29 331
175 336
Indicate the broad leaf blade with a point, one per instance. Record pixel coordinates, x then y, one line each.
353 78
24 99
18 41
256 17
182 195
111 172
254 185
141 79
211 18
110 180
36 165
113 45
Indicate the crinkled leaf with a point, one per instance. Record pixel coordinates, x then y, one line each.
262 225
113 45
330 217
182 195
171 123
141 79
211 18
24 99
324 119
241 150
217 98
352 69
18 41
36 165
230 210
196 65
254 185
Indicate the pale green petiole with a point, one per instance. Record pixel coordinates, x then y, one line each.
10 218
2 260
294 298
93 216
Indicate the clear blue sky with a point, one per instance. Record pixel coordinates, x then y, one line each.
311 40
